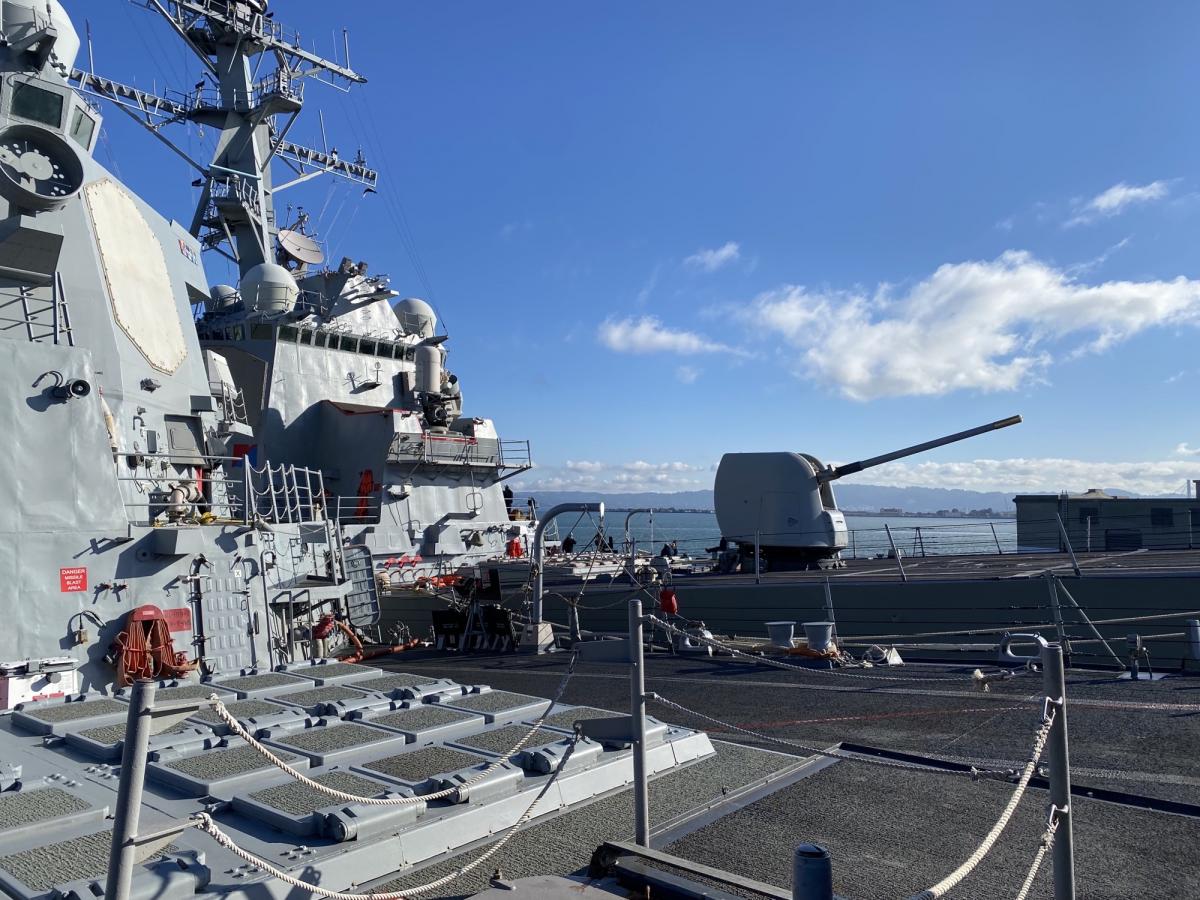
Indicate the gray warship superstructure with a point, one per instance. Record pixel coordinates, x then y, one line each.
313 365
120 495
150 567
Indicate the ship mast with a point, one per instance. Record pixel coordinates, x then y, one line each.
253 114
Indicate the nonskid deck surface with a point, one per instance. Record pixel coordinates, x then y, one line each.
357 729
892 833
960 566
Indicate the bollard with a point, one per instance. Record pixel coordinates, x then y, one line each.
1055 686
637 698
812 873
123 855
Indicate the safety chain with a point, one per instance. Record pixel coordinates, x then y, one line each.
974 774
768 661
205 822
1046 842
952 880
456 791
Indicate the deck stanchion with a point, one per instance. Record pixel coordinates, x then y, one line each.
812 873
757 559
637 708
123 855
895 552
996 538
1055 686
1062 530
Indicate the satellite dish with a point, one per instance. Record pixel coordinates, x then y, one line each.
301 247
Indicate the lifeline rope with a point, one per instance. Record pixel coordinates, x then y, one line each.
952 880
205 822
768 661
1047 841
274 760
974 773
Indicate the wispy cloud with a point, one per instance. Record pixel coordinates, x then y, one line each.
711 260
605 477
1050 475
1182 449
687 374
1116 200
987 326
511 229
647 334
648 287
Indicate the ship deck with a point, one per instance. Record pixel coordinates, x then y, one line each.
891 832
970 566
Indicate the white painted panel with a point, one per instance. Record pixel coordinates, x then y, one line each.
135 270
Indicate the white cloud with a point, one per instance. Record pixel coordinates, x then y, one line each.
647 334
687 374
616 477
584 465
1116 200
711 260
1182 449
1038 475
987 326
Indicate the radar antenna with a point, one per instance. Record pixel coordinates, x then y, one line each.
235 215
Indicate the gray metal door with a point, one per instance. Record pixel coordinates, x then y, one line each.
362 600
227 618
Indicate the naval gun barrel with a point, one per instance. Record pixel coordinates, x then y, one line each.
832 472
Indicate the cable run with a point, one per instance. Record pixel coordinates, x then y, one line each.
768 661
974 774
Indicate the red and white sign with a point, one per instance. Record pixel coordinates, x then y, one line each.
72 579
179 619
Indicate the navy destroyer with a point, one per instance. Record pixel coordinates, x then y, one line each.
157 568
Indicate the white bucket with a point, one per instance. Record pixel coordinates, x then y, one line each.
819 635
780 633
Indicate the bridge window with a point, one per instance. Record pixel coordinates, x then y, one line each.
82 127
34 103
286 333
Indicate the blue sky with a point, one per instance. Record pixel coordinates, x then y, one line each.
657 232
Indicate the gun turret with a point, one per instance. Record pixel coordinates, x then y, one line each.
782 504
832 472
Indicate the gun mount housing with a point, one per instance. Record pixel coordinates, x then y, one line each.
785 502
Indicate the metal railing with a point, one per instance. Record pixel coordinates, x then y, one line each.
44 319
269 495
457 449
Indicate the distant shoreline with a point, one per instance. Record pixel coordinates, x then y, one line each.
847 512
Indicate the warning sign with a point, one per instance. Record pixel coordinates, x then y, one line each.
178 619
72 579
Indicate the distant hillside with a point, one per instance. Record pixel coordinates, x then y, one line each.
850 496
